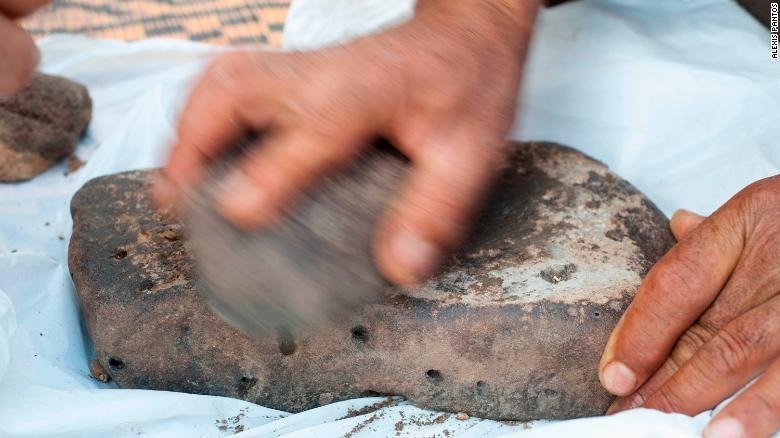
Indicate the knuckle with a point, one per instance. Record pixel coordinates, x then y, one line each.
665 399
760 196
690 342
731 350
677 277
763 187
763 249
768 402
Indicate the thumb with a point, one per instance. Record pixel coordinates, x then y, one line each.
683 222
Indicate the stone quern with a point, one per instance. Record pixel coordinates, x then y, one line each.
40 125
512 328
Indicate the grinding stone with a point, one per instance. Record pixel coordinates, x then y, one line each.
512 328
40 125
310 267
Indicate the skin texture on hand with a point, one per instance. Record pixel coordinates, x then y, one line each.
18 54
706 321
442 88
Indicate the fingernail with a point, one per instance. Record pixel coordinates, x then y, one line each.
418 256
238 191
724 428
618 378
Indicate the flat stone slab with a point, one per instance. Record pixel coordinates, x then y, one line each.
512 328
40 125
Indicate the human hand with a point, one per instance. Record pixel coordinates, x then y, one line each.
442 88
706 320
18 54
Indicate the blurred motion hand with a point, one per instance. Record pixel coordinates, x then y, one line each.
706 320
18 54
442 88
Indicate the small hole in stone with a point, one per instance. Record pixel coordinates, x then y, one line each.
370 393
596 314
359 333
119 254
286 342
245 384
480 384
434 375
116 364
147 284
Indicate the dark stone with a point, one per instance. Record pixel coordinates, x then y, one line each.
40 125
513 327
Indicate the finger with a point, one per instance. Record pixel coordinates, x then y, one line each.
738 353
219 110
753 283
18 56
21 8
754 413
688 344
674 294
277 171
434 210
683 222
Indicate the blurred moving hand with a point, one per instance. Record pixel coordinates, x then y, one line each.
706 320
18 54
442 88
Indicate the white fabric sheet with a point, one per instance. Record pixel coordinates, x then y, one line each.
680 97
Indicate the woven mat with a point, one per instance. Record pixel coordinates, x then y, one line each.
213 21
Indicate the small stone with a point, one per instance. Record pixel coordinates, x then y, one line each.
74 164
462 416
97 371
40 125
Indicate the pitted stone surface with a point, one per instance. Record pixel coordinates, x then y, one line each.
40 125
513 327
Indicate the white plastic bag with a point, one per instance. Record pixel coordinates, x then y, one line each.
680 97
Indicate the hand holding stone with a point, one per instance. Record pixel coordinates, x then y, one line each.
706 320
442 88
